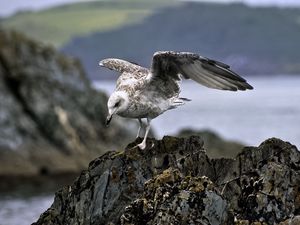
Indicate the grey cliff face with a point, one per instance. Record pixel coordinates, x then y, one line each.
175 182
50 117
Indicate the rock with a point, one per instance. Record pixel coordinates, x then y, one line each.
218 147
113 181
292 221
51 119
268 183
175 182
170 198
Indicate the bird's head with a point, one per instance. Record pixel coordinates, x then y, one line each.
117 103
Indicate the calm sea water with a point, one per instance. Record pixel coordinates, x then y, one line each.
23 211
272 109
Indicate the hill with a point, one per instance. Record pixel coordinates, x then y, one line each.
253 40
59 24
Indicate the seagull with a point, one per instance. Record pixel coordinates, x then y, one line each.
147 93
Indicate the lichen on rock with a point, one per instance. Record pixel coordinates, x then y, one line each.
171 198
174 182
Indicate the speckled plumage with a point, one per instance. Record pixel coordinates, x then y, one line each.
143 93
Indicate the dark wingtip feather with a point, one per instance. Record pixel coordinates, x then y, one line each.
230 89
222 71
245 86
249 86
186 99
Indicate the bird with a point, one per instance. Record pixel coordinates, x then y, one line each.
143 93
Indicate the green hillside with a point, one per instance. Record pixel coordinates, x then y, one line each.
262 40
252 40
58 25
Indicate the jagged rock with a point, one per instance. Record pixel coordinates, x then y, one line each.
51 119
170 198
268 183
218 147
292 221
165 185
114 180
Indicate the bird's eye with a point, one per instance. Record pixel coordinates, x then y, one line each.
117 104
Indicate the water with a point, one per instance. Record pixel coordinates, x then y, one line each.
272 109
23 211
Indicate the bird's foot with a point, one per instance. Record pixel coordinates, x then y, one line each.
142 145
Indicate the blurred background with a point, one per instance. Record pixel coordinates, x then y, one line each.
53 94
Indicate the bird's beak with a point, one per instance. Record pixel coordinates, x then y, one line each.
108 119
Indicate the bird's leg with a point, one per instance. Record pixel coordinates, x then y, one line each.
143 144
141 126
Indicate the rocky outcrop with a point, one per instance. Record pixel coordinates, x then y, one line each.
218 147
175 182
51 120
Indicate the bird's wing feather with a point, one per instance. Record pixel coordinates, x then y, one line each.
121 66
210 73
132 75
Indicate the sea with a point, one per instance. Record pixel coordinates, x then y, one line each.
272 109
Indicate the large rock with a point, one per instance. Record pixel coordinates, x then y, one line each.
51 120
175 182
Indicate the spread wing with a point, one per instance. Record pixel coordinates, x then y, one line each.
120 65
210 73
131 73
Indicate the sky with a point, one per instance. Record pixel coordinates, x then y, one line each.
9 7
